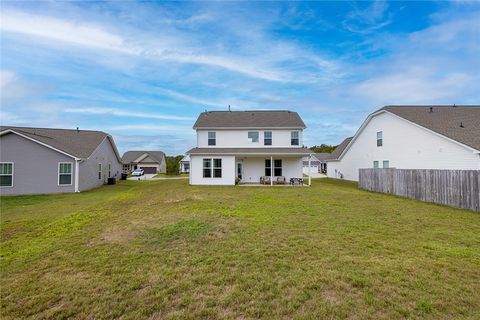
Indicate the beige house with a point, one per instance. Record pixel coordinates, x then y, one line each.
149 161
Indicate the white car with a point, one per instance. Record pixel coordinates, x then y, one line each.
138 172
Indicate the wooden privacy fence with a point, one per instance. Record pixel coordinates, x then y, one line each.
456 188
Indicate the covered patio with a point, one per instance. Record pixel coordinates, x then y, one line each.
252 166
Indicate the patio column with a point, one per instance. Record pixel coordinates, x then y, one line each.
309 170
271 170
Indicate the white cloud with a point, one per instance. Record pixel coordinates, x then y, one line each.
124 113
61 30
367 20
268 60
414 87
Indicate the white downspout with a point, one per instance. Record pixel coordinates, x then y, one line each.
271 170
309 170
77 174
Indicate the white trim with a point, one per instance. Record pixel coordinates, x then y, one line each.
250 154
58 174
41 143
13 173
369 118
249 128
77 175
139 159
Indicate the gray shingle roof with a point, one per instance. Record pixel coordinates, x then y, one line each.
80 144
299 151
249 119
460 123
322 155
339 149
130 156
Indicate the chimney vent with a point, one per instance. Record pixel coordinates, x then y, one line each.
229 108
461 125
78 129
430 109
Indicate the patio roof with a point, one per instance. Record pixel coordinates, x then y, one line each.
251 151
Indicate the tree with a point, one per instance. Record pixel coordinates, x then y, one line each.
323 148
173 164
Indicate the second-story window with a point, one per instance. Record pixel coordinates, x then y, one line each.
267 138
253 136
295 138
379 138
212 138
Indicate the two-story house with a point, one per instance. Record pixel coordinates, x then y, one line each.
247 147
411 137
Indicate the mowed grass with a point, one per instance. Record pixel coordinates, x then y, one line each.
166 250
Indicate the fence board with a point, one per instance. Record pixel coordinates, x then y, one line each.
456 188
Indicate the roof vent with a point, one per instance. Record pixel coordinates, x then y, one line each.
229 108
454 105
78 129
430 109
461 125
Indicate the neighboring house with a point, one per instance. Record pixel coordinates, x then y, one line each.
41 160
247 146
411 137
318 163
149 161
185 164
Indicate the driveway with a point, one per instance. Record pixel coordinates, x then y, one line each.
150 176
146 176
317 175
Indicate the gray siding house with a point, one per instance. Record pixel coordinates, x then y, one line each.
42 160
149 161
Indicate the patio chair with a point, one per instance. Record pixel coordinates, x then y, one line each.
281 180
266 180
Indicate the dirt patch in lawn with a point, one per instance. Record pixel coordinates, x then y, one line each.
117 236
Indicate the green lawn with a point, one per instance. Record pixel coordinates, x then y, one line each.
166 250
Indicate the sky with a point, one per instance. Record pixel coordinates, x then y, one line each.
143 71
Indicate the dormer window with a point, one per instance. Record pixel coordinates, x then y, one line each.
295 138
212 138
379 138
267 138
253 136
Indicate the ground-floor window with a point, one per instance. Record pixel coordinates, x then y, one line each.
210 171
207 168
217 168
65 170
99 171
386 163
277 168
375 164
186 167
126 167
6 174
109 170
268 168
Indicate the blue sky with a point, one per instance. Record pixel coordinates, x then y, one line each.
144 71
